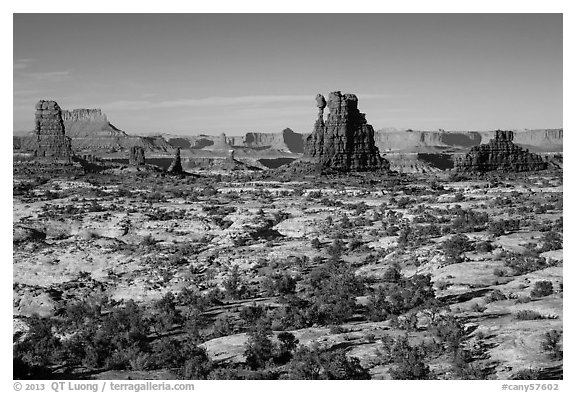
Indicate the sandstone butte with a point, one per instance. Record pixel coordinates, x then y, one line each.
500 154
345 141
50 142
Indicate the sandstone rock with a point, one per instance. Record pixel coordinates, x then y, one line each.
176 165
50 141
137 156
345 142
500 154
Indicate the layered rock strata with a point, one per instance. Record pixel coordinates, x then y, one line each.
50 141
500 154
345 141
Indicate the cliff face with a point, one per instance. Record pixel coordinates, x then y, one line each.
287 140
500 154
345 141
548 140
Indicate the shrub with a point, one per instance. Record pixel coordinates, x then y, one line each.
500 272
522 264
408 361
528 315
542 288
551 344
496 295
279 284
332 288
397 298
454 246
484 246
314 364
234 284
552 241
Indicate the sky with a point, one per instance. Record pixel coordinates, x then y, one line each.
236 73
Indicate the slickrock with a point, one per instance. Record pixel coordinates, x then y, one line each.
137 156
500 154
50 141
176 165
345 141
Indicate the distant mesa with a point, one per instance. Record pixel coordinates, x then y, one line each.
500 154
50 141
345 141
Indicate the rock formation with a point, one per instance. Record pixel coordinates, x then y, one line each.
345 142
137 156
176 165
500 154
50 141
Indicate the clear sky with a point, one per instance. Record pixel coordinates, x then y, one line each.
235 73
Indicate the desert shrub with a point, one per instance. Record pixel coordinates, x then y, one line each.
443 284
251 314
522 264
496 295
392 274
315 243
397 298
279 284
463 368
287 345
41 347
234 285
454 246
449 330
337 329
292 315
500 227
259 348
484 246
408 361
468 220
525 315
552 240
333 288
223 326
500 272
526 374
314 364
551 344
148 241
165 314
542 288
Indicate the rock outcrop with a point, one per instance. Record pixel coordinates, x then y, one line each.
176 165
137 156
345 141
500 154
89 130
50 141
